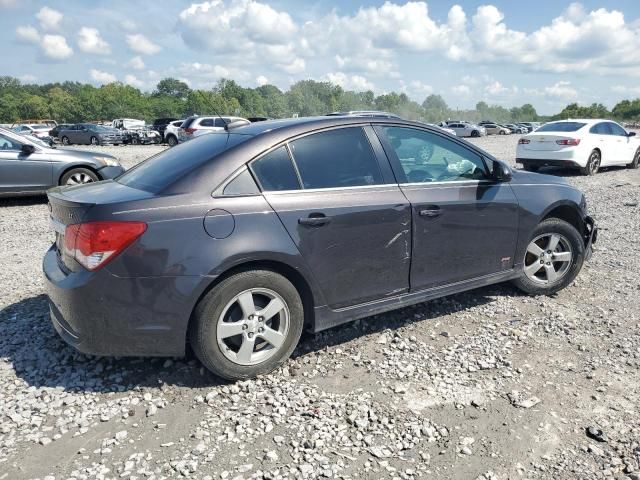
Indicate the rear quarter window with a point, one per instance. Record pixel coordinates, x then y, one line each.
158 172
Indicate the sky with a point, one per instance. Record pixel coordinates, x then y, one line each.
547 53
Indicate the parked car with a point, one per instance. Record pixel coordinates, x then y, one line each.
38 130
172 132
467 129
450 131
29 166
55 131
515 128
495 129
486 122
160 125
237 241
195 126
90 134
528 125
585 144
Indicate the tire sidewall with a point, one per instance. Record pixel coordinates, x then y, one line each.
555 225
588 170
67 175
207 314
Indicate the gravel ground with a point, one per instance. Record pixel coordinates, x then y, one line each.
488 384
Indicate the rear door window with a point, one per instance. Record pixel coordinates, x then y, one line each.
336 159
206 122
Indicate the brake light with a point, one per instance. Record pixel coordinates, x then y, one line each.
569 141
94 244
524 141
189 131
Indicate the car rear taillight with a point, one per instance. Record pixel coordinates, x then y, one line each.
94 244
569 141
524 141
189 131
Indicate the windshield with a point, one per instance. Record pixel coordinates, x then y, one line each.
561 127
158 172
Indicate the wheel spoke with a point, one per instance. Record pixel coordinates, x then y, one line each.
552 275
532 269
230 329
534 249
246 304
246 350
274 306
272 336
553 242
562 257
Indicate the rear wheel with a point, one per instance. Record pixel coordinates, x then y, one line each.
78 176
65 141
593 164
636 161
172 141
94 141
502 132
553 259
247 325
475 133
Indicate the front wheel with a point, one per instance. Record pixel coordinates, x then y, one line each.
636 161
172 141
78 176
65 141
94 141
475 133
593 164
553 258
247 325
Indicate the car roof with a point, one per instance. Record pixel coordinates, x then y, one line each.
588 121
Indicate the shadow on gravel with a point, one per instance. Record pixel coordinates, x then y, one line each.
23 201
42 359
574 172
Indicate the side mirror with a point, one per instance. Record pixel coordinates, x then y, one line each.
631 134
27 149
501 172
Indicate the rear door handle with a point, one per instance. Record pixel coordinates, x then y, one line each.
314 220
430 212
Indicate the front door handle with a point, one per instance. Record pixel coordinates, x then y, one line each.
430 212
315 220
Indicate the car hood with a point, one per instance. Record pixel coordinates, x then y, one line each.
521 177
81 154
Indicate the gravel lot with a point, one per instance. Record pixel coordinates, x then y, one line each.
489 384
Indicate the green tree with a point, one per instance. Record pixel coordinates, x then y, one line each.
173 88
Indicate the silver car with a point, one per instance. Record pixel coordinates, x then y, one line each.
29 166
90 134
467 129
195 126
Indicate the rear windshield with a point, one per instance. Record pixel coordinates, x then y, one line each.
158 172
561 127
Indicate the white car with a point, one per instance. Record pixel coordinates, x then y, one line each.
172 132
585 144
196 126
495 129
467 129
38 130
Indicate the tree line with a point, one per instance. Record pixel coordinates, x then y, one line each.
70 102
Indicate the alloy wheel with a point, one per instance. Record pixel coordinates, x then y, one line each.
79 178
594 163
253 326
548 258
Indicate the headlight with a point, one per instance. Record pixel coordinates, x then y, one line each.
108 161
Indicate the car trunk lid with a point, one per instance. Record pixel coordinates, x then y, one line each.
545 142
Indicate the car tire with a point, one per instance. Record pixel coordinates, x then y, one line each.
569 252
135 141
475 133
593 164
502 132
78 176
636 161
229 356
172 141
531 168
65 141
94 141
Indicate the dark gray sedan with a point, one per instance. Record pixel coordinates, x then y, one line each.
236 241
29 166
90 134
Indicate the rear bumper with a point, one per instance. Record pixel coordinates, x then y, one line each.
546 162
98 313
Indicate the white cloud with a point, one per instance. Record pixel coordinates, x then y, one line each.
27 34
562 90
133 81
49 18
90 41
625 90
8 3
101 77
261 80
350 82
55 47
138 43
206 74
28 78
462 90
136 63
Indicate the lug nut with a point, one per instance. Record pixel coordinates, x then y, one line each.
261 319
548 263
250 335
541 261
245 326
260 330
